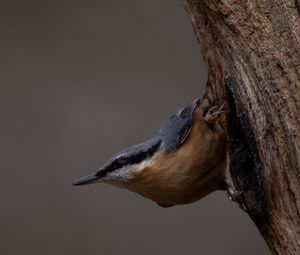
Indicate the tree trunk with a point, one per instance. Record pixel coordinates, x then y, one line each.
253 57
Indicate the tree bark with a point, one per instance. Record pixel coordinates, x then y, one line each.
253 57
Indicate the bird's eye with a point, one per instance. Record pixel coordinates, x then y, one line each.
122 161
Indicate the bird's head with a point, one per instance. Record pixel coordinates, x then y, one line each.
124 168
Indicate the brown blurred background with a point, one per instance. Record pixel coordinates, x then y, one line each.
81 80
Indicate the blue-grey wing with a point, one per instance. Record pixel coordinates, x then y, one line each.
176 130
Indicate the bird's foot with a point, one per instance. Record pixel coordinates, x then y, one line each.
213 114
236 196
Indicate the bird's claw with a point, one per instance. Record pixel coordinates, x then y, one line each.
213 114
236 196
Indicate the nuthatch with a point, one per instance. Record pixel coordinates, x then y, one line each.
183 162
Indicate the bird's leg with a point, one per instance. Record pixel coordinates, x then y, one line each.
213 114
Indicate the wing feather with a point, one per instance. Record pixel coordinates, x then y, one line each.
174 133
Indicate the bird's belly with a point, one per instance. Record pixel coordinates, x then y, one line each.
189 191
181 187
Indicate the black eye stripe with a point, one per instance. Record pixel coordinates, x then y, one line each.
129 159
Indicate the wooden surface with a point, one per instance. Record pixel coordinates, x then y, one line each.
253 55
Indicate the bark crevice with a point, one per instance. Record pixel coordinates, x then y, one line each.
245 163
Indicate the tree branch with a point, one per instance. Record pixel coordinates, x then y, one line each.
253 57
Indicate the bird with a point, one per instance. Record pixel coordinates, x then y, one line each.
183 162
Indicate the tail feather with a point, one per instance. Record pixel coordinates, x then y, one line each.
89 179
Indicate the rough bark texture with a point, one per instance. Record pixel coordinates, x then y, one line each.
253 55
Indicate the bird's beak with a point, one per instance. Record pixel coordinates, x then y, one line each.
89 179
